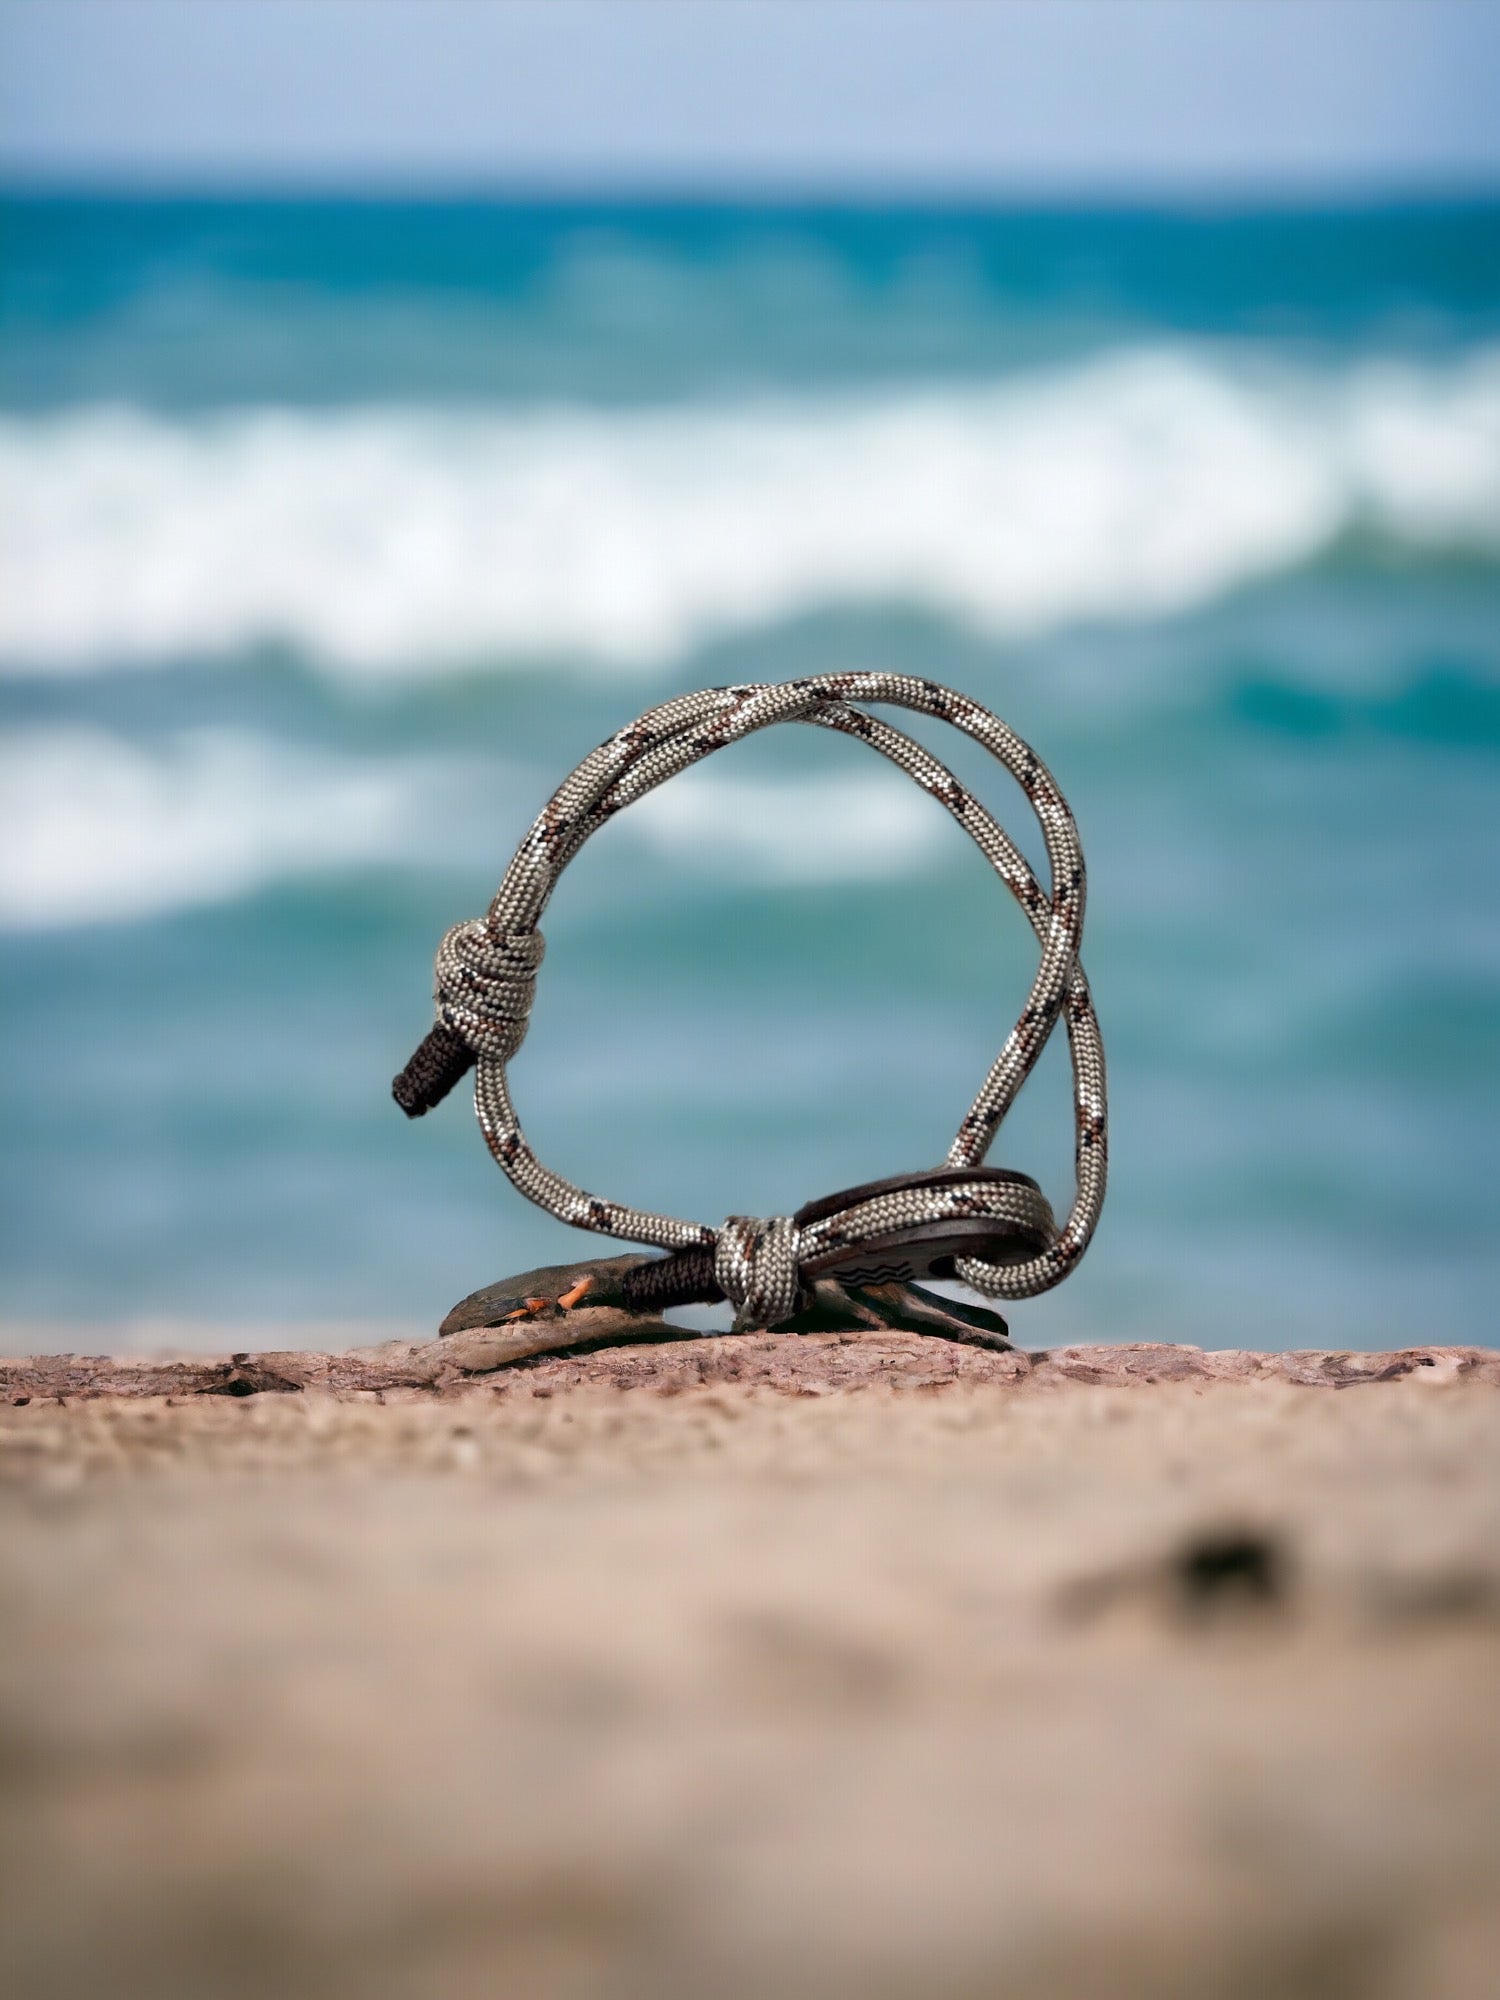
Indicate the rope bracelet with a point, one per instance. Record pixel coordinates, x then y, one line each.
992 1228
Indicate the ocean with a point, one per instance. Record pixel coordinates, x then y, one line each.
332 534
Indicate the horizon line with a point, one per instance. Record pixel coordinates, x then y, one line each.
1212 193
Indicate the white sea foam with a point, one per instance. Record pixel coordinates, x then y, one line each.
387 540
94 828
838 828
97 828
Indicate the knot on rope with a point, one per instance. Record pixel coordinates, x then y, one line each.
755 1267
484 984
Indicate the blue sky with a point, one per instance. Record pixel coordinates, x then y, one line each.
872 96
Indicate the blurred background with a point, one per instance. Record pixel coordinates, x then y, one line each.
395 399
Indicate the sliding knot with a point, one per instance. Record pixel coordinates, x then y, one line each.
485 979
755 1267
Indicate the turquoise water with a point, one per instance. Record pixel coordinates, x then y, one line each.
332 535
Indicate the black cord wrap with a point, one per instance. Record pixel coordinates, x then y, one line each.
442 1060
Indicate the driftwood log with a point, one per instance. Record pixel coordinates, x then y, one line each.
553 1309
557 1324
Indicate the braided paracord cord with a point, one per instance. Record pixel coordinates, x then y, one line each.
486 975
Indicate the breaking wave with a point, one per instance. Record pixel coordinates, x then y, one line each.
95 828
98 828
383 540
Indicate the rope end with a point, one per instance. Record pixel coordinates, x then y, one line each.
442 1061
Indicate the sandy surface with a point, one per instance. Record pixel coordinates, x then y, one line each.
1025 1685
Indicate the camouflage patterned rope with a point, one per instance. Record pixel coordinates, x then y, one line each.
486 975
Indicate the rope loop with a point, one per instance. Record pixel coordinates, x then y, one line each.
993 1229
